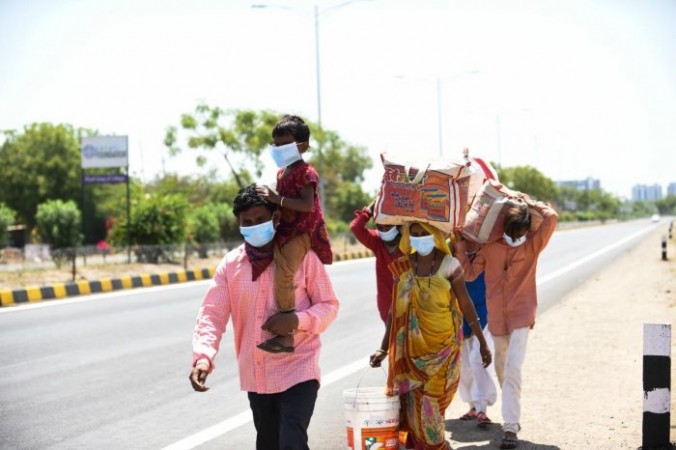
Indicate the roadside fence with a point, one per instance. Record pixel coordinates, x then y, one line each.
40 256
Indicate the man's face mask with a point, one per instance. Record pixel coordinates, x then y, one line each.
388 235
514 242
258 235
285 155
423 244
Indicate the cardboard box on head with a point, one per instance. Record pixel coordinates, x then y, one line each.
485 218
433 192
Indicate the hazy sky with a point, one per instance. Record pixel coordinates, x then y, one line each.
576 88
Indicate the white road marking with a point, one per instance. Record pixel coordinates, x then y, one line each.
557 273
244 417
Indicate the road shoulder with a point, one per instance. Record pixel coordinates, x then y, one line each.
582 379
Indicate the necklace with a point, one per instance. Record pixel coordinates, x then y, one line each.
429 277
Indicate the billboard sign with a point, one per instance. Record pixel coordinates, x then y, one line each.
104 151
105 179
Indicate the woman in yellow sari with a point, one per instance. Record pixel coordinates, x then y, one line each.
424 334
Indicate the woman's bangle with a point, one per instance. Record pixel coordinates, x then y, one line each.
281 202
380 351
473 322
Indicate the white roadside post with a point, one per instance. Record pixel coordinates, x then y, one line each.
656 385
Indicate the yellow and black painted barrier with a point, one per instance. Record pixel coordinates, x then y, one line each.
85 287
9 297
344 256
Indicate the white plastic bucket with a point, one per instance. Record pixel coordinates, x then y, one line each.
371 419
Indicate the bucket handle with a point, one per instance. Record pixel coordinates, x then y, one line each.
361 378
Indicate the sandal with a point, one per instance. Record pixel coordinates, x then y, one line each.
509 440
274 346
483 420
469 415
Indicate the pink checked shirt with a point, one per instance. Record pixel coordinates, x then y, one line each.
233 294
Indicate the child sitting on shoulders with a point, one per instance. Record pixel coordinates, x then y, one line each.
302 225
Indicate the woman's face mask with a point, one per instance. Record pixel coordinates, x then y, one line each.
514 242
423 244
285 155
388 235
258 235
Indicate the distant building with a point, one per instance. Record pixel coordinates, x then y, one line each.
583 185
671 189
645 193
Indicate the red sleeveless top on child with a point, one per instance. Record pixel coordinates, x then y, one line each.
293 222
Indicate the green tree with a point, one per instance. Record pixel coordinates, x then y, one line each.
198 189
39 164
247 133
351 198
590 204
602 204
155 221
227 222
236 132
58 224
568 197
103 204
667 205
6 219
341 165
204 228
642 208
529 180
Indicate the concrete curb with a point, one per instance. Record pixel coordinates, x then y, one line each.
33 294
86 287
344 256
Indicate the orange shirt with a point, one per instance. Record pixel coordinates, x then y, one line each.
511 295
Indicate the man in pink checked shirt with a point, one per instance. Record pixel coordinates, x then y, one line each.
282 388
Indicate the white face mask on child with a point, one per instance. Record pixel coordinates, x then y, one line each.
285 155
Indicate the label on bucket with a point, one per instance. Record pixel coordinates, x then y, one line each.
374 438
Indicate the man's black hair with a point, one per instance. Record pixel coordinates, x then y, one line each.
247 198
293 125
517 220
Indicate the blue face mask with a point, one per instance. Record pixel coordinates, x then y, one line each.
423 244
258 235
285 155
388 235
514 242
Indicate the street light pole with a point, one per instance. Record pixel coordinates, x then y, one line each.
317 12
320 154
439 121
319 87
439 82
497 143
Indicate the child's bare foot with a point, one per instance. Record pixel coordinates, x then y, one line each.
278 344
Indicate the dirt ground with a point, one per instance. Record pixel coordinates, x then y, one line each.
582 381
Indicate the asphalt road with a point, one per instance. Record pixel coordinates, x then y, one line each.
110 371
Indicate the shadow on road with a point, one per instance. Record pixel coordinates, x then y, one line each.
473 437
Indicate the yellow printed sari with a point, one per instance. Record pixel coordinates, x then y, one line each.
424 351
